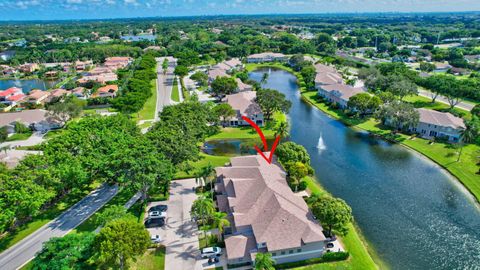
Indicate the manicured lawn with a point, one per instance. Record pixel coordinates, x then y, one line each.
148 110
444 154
19 137
53 133
359 256
249 132
153 259
23 231
423 102
216 161
175 95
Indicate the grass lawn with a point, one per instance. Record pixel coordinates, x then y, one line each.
423 102
175 95
360 256
19 136
153 259
148 110
216 161
53 133
444 154
249 132
23 231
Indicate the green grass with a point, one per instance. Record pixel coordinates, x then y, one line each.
444 154
249 132
175 95
424 102
153 259
53 133
360 255
205 159
148 110
28 228
19 136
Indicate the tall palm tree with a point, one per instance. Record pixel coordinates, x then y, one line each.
283 130
202 209
206 176
264 261
468 135
220 221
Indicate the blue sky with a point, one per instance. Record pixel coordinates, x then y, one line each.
100 9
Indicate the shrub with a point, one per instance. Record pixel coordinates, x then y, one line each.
335 256
302 185
327 257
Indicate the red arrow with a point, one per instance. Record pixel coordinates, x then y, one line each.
264 141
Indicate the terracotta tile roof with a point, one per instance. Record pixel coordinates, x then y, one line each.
16 97
108 89
216 72
440 119
37 94
260 197
10 91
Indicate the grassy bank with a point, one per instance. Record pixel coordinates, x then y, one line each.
360 255
175 94
148 110
205 159
444 154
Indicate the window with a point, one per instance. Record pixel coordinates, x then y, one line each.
283 252
299 250
274 254
290 251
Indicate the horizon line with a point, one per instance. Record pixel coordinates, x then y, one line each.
246 15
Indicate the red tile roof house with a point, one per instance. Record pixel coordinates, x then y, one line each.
434 124
12 91
107 91
244 105
80 92
37 96
265 215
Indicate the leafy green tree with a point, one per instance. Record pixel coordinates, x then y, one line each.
282 130
264 261
469 134
398 114
427 67
325 43
296 171
402 88
181 71
69 252
165 65
333 213
110 213
224 112
292 152
200 77
21 128
364 103
70 108
271 101
222 86
308 73
206 175
3 134
119 241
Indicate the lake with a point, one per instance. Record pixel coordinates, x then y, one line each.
27 85
413 213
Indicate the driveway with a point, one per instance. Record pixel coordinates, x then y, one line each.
164 84
25 250
36 138
180 233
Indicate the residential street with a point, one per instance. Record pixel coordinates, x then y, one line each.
164 84
442 99
25 250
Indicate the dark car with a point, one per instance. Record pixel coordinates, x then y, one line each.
154 222
330 245
159 208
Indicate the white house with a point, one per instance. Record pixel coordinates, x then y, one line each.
434 124
244 104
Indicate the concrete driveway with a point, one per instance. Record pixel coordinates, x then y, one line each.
180 233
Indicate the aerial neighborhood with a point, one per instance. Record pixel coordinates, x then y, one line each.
301 141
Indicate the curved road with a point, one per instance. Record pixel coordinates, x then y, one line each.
25 250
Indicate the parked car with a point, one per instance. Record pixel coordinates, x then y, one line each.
157 214
156 239
154 222
211 252
330 245
213 260
161 208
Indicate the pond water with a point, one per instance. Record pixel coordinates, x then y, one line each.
27 85
232 147
413 213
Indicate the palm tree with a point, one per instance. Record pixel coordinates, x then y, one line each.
282 130
468 135
206 175
220 221
202 209
264 261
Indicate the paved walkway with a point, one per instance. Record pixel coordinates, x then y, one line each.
462 105
36 138
25 250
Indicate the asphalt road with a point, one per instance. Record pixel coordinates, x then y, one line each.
25 250
164 84
442 99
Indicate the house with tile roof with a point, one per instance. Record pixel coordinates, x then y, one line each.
434 124
264 213
244 104
267 57
37 96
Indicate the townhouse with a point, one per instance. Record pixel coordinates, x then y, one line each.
434 124
244 105
267 57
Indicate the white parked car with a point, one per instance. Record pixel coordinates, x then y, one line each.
211 252
157 214
156 239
